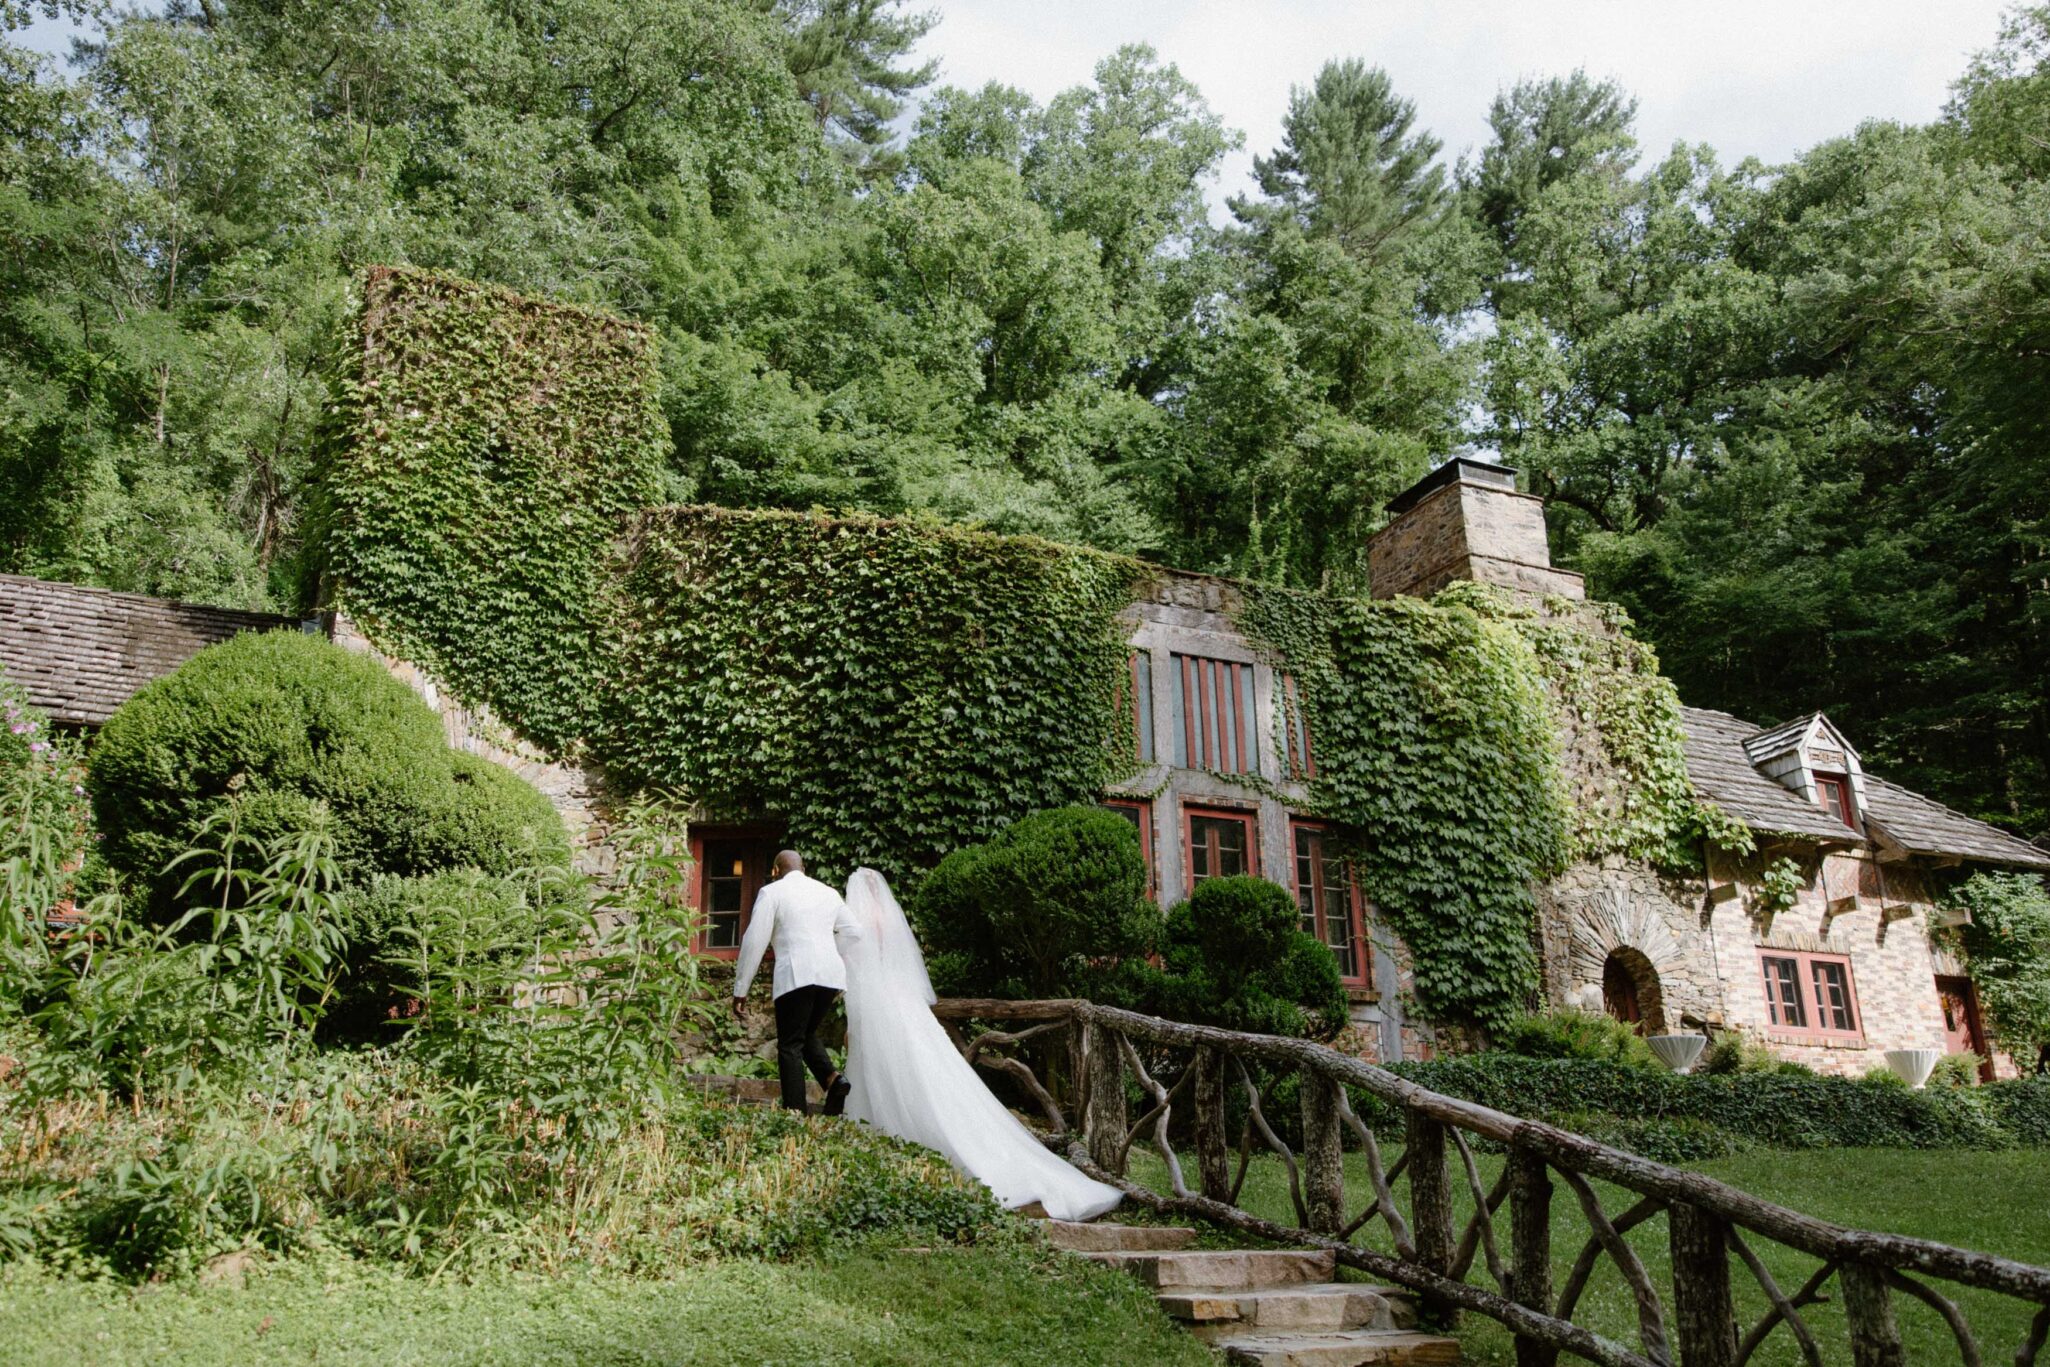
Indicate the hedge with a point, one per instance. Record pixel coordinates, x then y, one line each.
1776 1109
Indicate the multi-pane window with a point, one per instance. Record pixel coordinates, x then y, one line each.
1330 904
1302 763
1213 722
1809 993
729 889
1220 845
1833 791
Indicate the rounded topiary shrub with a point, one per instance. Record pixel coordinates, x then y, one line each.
1041 910
1235 954
289 720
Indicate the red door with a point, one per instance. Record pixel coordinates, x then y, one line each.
731 870
1962 1031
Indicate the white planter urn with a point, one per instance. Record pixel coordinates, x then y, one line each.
1913 1066
1678 1052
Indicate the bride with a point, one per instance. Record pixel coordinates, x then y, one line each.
910 1081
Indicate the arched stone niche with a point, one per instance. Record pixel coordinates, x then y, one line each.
1601 923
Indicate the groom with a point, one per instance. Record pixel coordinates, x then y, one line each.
802 918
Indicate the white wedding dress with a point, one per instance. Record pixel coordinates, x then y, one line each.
910 1081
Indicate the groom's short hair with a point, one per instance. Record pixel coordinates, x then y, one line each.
789 861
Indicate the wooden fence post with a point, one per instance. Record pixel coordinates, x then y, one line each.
1704 1315
1430 1199
1323 1154
1213 1145
1108 1123
1868 1306
1530 1243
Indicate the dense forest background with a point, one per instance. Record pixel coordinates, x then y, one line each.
1792 416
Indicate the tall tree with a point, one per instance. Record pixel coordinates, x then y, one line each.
849 58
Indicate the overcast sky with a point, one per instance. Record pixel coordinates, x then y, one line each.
1762 78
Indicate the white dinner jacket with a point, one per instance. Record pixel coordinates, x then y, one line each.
802 918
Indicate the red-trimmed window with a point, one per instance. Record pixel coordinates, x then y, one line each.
1302 761
1139 679
1139 812
1218 843
732 866
1213 722
1330 901
1833 791
1809 994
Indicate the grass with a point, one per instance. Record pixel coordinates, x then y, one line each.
1995 1202
878 1306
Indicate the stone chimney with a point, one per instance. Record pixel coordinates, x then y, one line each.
1465 520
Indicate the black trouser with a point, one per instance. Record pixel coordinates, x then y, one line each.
799 1014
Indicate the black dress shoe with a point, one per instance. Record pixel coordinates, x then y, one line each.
836 1096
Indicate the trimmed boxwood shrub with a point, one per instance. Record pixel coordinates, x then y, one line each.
1794 1110
1045 909
1574 1034
1235 955
288 720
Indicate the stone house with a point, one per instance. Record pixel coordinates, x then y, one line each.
1844 964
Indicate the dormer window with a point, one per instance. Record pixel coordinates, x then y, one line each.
1833 791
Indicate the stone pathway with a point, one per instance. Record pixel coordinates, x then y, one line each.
1272 1307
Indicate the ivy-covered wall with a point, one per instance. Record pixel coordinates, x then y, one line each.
893 690
483 449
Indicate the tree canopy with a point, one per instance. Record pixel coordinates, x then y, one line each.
1788 415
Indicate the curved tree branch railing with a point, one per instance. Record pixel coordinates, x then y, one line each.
1708 1222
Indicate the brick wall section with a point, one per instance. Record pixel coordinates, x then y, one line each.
577 794
1705 950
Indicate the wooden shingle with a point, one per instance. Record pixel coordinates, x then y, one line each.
82 652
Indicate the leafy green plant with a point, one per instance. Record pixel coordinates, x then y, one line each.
1733 1051
894 690
1045 909
1779 886
1573 1034
1437 762
286 722
2008 944
1235 954
485 446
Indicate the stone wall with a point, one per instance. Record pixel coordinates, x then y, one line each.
1472 531
577 794
1703 947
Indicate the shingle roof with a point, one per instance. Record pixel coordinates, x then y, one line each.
1722 773
83 652
1916 823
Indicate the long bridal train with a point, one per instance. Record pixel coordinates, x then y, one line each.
910 1081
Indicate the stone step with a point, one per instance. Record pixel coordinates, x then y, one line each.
1078 1237
1351 1348
1319 1306
1226 1269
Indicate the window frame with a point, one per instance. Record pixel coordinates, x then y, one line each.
1142 808
1355 904
1244 816
1213 735
1845 808
1139 677
1809 983
700 843
1295 729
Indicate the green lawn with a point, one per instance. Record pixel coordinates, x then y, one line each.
967 1306
1995 1202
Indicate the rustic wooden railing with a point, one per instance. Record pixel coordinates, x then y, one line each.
1710 1225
